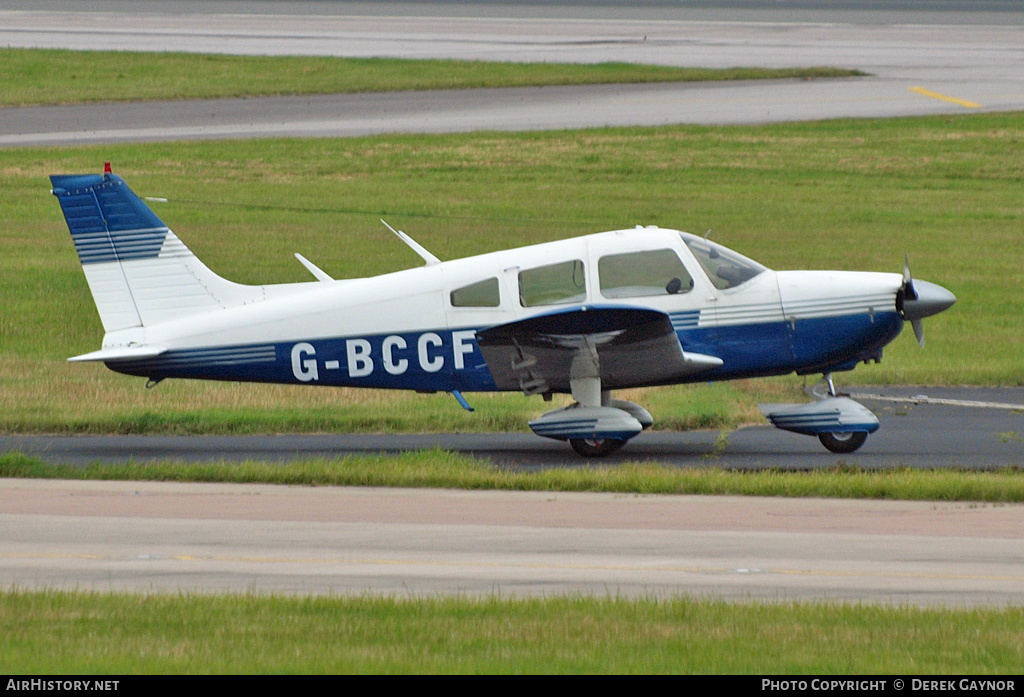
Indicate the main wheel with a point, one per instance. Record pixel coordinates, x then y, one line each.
843 442
595 447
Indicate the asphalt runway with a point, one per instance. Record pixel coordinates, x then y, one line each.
920 61
202 538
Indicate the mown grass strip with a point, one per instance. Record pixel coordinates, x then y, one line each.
56 632
442 469
45 76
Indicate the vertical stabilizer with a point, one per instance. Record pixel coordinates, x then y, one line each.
139 272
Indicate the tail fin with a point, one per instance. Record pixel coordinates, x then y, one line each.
139 272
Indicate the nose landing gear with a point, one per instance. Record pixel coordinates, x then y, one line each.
841 424
840 442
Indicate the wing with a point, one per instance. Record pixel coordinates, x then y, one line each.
624 346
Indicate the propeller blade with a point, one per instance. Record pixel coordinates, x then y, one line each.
908 281
918 326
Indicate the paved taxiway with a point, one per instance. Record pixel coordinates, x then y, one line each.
214 537
911 435
919 63
201 537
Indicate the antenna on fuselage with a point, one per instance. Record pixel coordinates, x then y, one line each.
413 245
320 274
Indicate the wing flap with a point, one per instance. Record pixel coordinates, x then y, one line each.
623 346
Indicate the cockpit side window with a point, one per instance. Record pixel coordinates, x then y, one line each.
555 284
480 294
641 274
724 267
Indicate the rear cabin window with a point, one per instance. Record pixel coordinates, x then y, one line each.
640 274
556 284
480 294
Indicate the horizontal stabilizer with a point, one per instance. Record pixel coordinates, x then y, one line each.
121 353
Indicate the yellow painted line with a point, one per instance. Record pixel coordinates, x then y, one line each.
945 97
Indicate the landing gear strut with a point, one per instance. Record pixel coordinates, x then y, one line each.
827 377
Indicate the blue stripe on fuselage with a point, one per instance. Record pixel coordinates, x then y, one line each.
445 360
441 360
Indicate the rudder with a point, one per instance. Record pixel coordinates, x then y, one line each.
138 271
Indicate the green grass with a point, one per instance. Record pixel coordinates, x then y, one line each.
840 194
39 76
441 469
55 632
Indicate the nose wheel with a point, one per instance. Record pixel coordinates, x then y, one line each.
843 442
840 442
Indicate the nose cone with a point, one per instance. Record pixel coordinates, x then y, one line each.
928 299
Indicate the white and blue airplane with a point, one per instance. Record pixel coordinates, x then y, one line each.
583 316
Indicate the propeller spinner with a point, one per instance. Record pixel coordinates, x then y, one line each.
920 299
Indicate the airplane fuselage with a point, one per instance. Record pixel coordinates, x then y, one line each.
405 330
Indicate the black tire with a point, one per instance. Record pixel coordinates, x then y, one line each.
843 442
587 447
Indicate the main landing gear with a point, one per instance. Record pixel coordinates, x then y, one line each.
595 425
595 447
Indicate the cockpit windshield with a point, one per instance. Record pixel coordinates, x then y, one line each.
724 267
